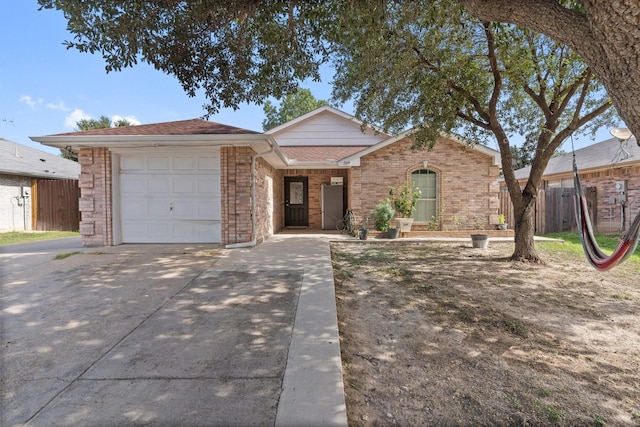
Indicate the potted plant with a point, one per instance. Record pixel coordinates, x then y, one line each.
404 200
363 233
502 225
382 216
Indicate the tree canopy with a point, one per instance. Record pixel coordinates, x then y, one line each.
435 68
292 106
425 64
605 33
88 124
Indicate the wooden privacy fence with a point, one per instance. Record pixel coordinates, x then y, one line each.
554 209
56 205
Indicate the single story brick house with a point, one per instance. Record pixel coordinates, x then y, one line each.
609 171
195 181
28 175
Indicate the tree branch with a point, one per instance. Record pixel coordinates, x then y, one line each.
453 85
544 16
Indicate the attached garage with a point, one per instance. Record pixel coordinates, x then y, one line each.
168 196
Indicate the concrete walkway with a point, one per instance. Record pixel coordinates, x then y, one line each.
173 335
312 389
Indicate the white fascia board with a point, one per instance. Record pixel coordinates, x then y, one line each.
328 164
258 142
321 110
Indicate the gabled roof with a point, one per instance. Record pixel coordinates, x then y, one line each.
180 127
317 154
316 112
354 160
183 133
326 126
20 160
603 155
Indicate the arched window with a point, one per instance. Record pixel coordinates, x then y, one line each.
426 180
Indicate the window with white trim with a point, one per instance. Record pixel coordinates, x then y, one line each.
427 181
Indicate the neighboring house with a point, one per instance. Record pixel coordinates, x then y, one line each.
195 181
609 172
24 172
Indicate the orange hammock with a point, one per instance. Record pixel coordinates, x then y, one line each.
598 259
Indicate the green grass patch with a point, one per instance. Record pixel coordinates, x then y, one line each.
65 255
12 237
607 242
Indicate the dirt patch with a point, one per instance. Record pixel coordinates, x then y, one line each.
444 334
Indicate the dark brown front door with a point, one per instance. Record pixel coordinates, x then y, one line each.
296 201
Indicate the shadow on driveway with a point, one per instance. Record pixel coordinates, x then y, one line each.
145 334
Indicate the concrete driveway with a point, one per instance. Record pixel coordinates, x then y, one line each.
172 335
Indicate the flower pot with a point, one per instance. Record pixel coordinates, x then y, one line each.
393 232
363 234
480 241
405 224
502 226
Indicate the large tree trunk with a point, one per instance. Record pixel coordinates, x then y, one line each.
525 249
607 36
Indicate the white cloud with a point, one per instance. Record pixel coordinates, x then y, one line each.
59 106
32 103
130 119
75 116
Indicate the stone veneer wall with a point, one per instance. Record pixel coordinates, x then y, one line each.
467 182
96 227
317 177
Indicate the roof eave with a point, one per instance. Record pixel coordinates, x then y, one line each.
260 143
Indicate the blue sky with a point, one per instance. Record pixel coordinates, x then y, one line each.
45 88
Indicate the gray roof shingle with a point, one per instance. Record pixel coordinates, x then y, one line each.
601 155
17 159
180 127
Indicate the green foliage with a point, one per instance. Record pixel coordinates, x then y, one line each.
11 237
292 106
89 124
231 52
571 243
404 199
382 215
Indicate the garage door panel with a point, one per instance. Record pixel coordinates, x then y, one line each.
184 185
132 163
159 185
134 208
133 184
159 163
209 163
170 199
183 163
209 209
209 185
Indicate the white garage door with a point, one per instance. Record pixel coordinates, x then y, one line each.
170 197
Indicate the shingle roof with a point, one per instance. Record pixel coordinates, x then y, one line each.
181 127
320 153
608 153
17 159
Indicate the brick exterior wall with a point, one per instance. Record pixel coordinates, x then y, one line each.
609 215
269 200
14 217
467 186
96 222
317 177
235 171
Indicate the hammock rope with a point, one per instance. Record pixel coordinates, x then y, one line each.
596 257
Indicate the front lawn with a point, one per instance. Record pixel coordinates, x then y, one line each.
12 237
